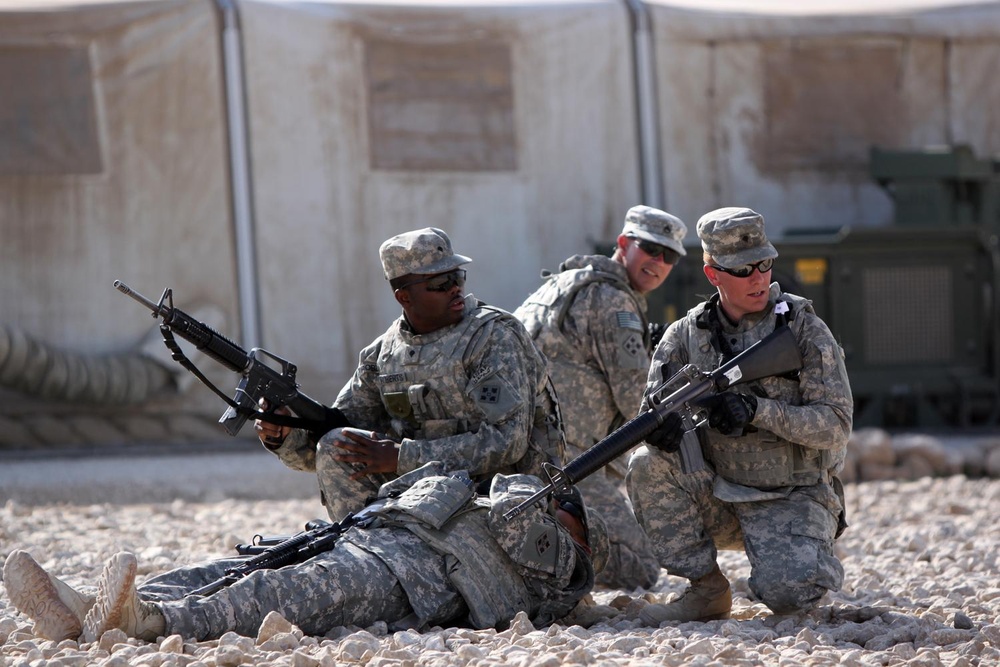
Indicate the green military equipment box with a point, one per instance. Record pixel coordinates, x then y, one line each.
946 186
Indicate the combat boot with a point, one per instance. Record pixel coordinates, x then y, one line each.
118 604
706 599
56 608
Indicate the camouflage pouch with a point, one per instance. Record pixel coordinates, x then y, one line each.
397 404
432 501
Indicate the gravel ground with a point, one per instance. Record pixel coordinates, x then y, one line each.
921 587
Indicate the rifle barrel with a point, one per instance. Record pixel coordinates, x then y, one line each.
128 291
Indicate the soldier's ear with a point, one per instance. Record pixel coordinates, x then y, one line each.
402 297
711 274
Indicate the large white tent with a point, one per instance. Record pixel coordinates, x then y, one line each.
113 165
775 104
253 154
509 125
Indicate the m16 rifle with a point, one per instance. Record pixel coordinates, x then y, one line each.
776 354
264 374
319 536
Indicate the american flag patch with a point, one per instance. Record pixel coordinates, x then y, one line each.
628 320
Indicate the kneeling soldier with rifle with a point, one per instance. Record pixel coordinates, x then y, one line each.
427 552
774 446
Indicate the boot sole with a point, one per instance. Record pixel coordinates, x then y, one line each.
116 580
33 594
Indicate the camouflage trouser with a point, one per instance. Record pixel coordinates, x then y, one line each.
344 586
342 495
631 561
788 540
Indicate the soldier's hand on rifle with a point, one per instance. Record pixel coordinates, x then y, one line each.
270 434
366 451
730 412
667 436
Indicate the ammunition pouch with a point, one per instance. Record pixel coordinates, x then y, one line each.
432 501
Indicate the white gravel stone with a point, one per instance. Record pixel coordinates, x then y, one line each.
920 557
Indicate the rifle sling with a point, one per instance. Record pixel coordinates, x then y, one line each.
177 354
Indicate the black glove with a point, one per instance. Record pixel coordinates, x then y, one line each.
667 436
730 412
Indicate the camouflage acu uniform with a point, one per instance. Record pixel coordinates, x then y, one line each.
772 491
592 327
474 396
434 554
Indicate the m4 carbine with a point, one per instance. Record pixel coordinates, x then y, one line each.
276 384
319 537
776 354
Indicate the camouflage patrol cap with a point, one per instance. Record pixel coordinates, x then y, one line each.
652 224
734 236
423 251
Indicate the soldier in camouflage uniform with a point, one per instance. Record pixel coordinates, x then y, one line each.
589 320
453 380
774 447
429 552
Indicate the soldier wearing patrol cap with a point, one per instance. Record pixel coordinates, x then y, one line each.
774 446
589 320
452 380
428 553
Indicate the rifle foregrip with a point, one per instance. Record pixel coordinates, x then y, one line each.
611 447
209 341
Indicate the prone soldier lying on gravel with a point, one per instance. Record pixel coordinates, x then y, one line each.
429 552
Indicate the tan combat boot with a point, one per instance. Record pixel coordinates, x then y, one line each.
118 604
56 608
706 599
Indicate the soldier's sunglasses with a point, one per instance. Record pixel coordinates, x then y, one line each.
442 282
744 271
654 250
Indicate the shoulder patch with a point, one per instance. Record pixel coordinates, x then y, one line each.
540 550
493 396
481 374
628 320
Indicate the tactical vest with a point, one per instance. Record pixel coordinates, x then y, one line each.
544 314
757 458
425 388
557 294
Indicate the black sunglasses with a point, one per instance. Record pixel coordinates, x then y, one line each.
744 271
654 250
442 282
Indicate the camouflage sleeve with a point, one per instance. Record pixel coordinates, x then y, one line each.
360 402
498 380
616 337
824 419
534 540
